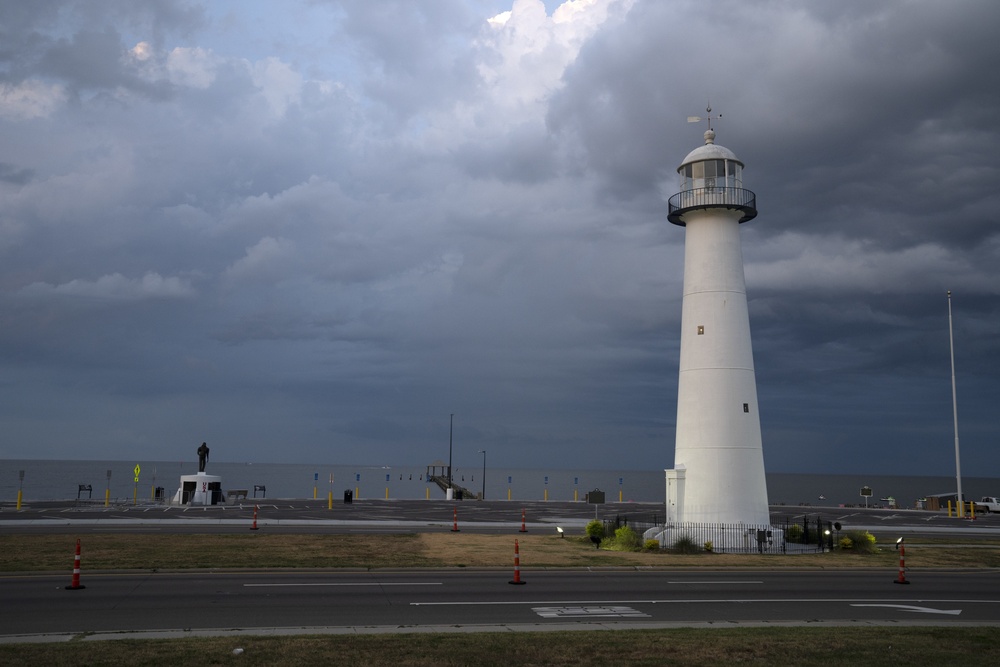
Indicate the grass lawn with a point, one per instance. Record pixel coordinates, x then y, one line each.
803 647
118 551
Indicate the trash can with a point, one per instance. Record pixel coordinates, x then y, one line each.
348 497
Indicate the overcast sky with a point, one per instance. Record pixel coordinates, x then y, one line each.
311 231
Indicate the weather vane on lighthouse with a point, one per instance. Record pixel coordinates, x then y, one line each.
708 117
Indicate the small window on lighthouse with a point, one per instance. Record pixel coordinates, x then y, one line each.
746 407
701 329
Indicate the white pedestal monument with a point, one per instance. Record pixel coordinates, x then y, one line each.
200 489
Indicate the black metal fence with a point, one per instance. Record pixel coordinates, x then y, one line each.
789 534
640 523
727 538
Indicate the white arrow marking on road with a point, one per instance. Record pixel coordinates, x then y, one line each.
910 607
589 612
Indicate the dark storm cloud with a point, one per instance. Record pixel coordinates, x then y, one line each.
872 144
408 69
16 176
331 225
525 155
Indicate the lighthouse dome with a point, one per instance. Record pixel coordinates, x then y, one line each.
710 151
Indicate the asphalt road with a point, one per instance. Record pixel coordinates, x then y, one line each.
179 604
184 603
295 515
401 516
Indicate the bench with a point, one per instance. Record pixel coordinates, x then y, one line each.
236 494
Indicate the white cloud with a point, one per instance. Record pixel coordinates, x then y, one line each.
30 99
261 260
114 288
500 19
280 85
819 265
141 51
520 56
194 67
526 51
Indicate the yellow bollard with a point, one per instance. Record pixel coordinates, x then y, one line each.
949 509
508 493
387 493
315 491
107 497
575 495
427 493
546 494
357 493
619 495
329 501
19 499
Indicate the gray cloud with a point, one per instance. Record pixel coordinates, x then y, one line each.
320 230
10 173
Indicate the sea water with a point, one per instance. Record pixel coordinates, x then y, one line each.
60 480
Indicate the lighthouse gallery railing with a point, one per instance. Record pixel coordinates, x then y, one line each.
739 199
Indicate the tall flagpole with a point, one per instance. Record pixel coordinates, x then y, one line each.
954 408
451 428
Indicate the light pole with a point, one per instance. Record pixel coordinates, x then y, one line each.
954 408
483 452
451 429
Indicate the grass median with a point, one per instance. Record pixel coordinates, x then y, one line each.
804 647
118 551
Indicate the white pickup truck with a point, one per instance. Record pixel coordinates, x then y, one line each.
988 504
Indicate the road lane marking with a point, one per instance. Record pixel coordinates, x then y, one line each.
913 608
352 583
715 582
556 603
100 529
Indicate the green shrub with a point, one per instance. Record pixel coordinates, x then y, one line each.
595 528
685 545
862 542
709 546
793 533
625 539
651 545
846 543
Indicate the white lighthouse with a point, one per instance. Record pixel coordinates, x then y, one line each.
718 474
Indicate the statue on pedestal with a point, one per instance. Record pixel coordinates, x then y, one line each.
202 457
